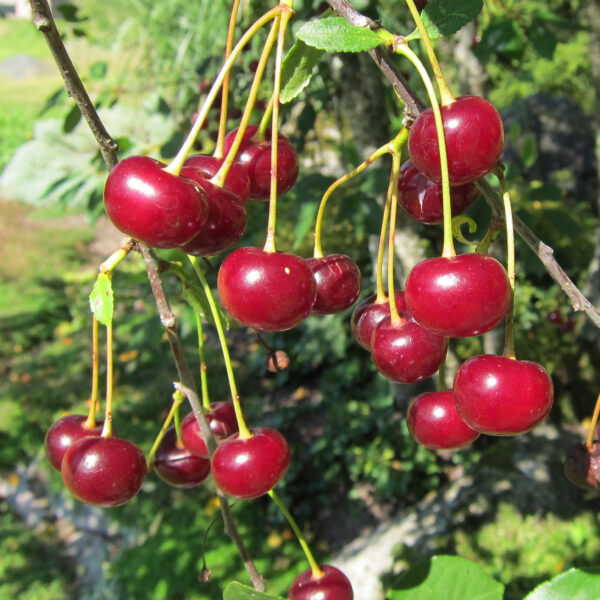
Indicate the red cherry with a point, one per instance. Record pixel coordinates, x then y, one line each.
434 422
221 421
407 352
256 158
237 180
458 296
332 585
153 206
248 468
338 282
272 291
104 471
226 221
176 465
421 198
474 140
64 433
555 317
502 396
369 313
582 466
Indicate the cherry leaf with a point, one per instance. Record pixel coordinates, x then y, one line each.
574 584
238 591
102 300
296 70
441 17
335 34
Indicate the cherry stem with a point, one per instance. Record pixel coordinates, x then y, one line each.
272 219
442 386
446 96
316 570
178 398
221 174
264 121
202 358
318 251
244 432
225 90
593 423
448 248
381 297
109 265
107 427
392 194
90 422
176 164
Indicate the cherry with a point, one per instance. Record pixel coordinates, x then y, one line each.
237 180
421 198
555 317
248 468
582 466
226 221
176 465
221 421
568 326
338 282
272 291
105 471
332 585
256 157
369 313
153 206
420 4
502 396
434 422
406 352
474 140
64 433
458 296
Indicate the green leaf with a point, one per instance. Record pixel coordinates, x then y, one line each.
445 18
72 119
574 584
304 222
529 151
447 577
335 34
98 69
69 12
238 591
195 297
297 69
543 40
102 300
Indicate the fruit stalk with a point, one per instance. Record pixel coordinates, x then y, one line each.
107 428
593 423
202 358
90 422
395 317
509 339
178 398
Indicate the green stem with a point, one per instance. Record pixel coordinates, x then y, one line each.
178 398
117 256
107 427
392 194
260 134
316 570
381 297
90 422
202 357
592 430
403 49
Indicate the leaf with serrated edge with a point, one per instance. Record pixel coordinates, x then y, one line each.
335 34
574 584
102 299
296 70
442 18
238 591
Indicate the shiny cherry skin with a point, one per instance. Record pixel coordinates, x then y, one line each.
249 468
104 471
176 465
226 221
458 296
582 466
434 422
271 291
474 140
237 180
338 282
421 198
64 433
332 585
502 396
256 158
153 206
221 421
369 313
407 352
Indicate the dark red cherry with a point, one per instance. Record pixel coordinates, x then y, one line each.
420 4
248 468
331 585
256 158
555 317
434 422
64 433
369 313
271 291
104 471
176 465
226 221
474 140
406 352
582 466
221 420
458 296
421 198
153 206
338 282
502 396
237 180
